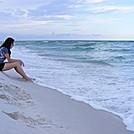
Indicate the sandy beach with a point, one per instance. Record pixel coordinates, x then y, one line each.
27 108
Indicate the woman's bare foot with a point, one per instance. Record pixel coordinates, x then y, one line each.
28 79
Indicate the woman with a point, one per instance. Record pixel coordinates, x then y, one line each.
5 53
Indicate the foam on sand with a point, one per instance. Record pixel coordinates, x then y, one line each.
29 108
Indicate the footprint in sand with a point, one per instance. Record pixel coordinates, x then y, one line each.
31 122
4 97
15 96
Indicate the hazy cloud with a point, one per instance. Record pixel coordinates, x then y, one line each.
94 1
108 8
70 18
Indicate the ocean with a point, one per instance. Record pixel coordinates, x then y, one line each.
99 73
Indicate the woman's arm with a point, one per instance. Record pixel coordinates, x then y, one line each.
13 60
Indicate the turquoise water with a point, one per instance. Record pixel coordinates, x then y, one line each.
100 73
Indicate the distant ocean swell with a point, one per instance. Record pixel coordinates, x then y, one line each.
100 73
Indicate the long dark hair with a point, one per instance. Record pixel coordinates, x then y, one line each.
7 44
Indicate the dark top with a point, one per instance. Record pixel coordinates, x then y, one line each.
3 51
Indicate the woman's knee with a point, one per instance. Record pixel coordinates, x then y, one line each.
17 63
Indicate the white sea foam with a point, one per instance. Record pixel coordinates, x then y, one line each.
101 76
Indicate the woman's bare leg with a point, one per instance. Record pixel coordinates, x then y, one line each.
18 68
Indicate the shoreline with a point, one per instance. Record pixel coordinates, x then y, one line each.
57 113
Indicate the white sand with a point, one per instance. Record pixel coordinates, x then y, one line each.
27 108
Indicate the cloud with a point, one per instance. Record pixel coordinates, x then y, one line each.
54 9
109 8
29 26
22 4
4 16
94 1
52 36
43 17
37 10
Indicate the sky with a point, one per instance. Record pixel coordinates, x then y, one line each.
67 19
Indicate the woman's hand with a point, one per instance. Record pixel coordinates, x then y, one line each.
21 62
